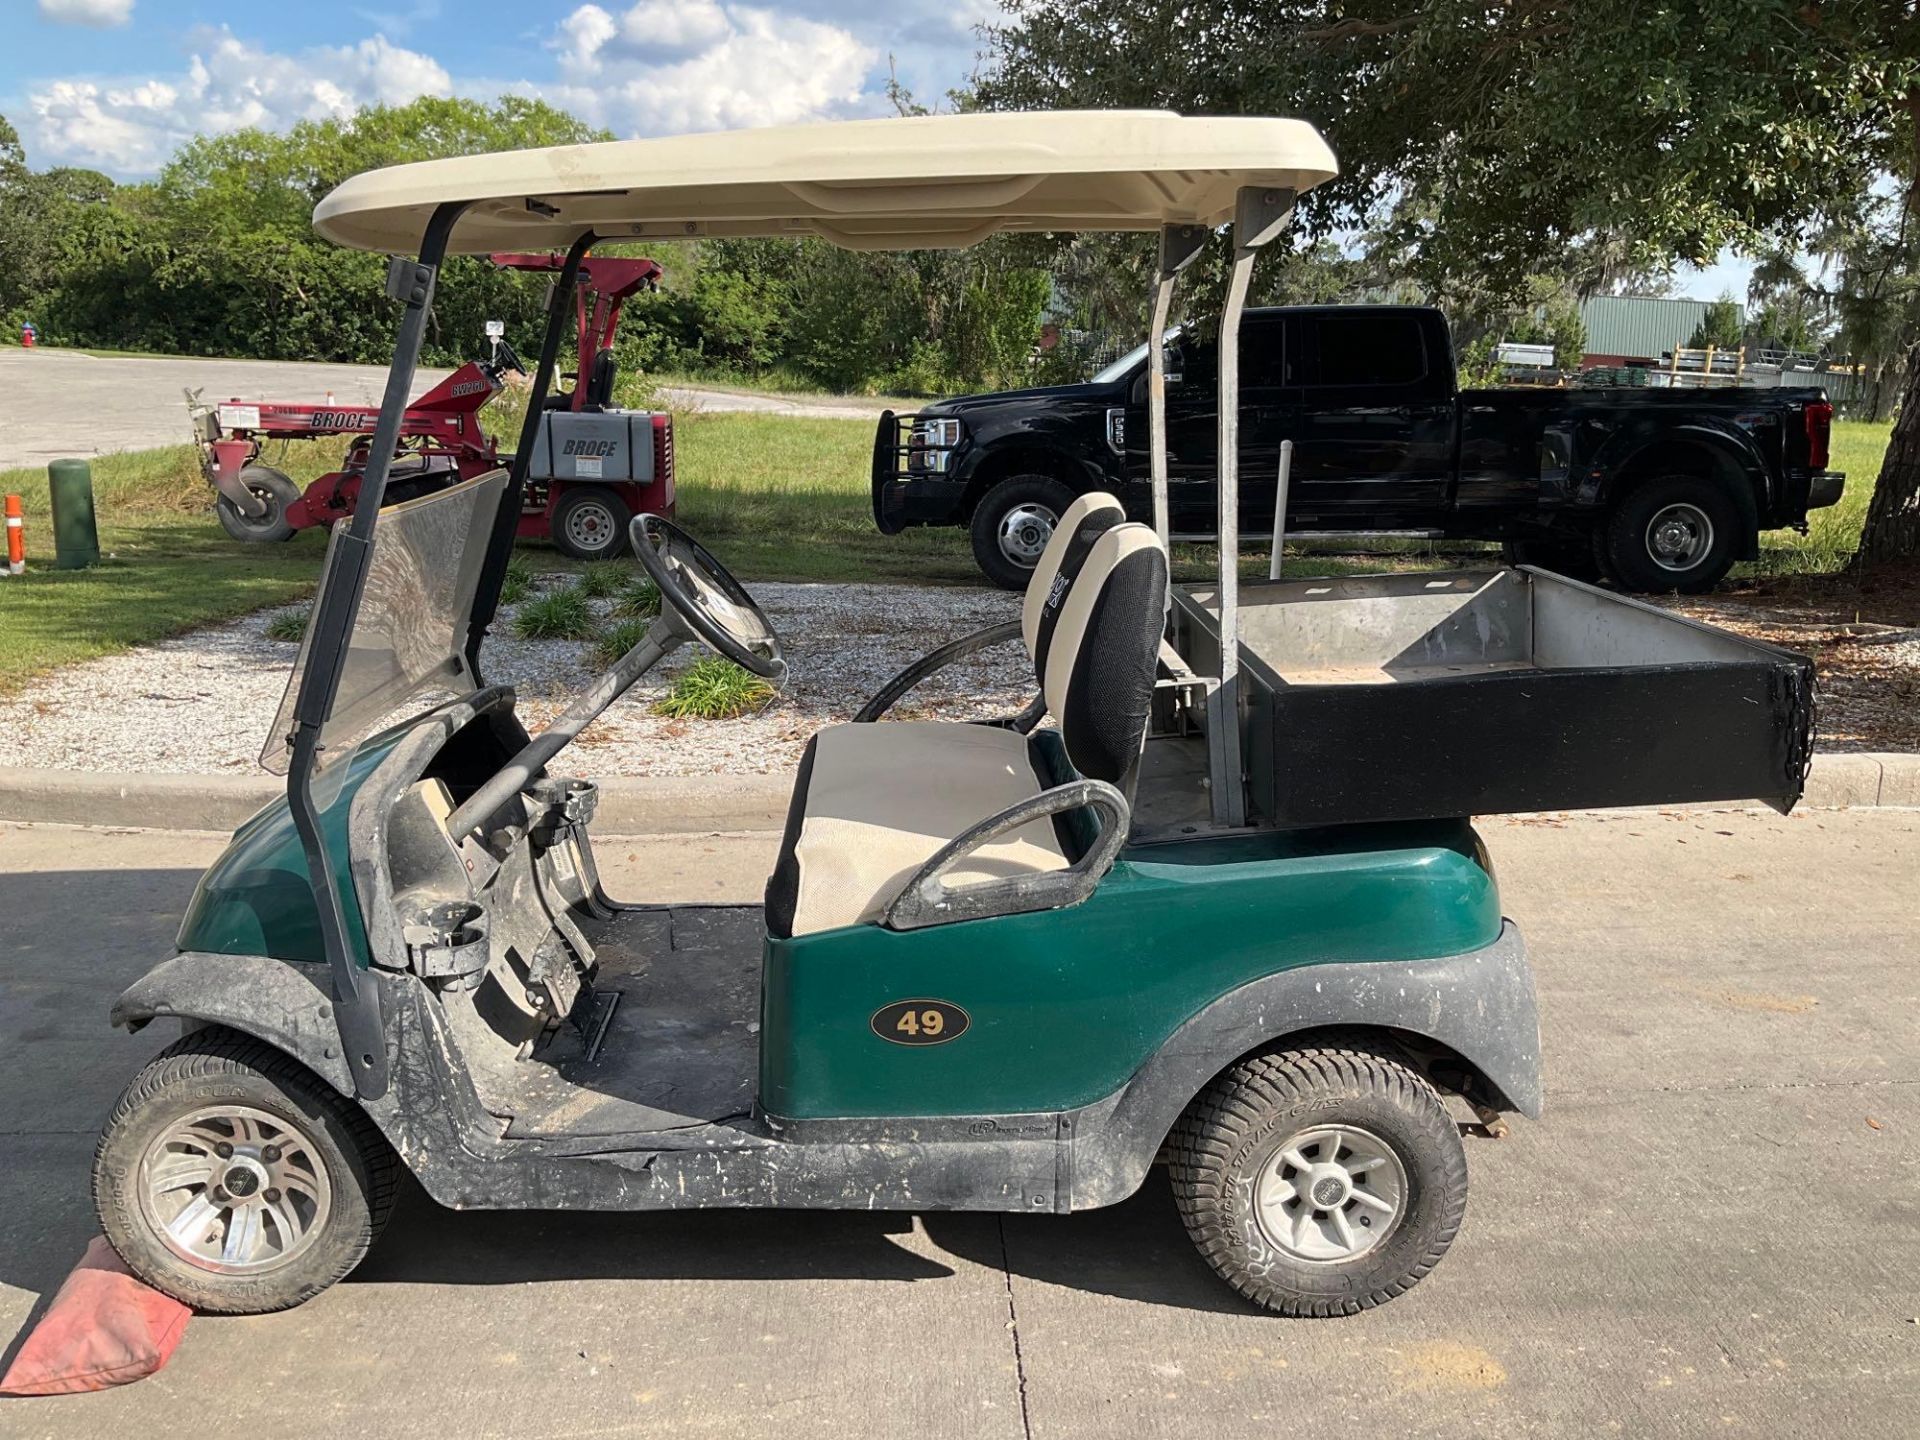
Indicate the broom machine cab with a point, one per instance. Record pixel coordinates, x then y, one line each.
1227 911
594 466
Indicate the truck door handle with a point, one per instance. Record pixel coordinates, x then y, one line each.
1480 409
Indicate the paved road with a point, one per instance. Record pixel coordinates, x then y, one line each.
1715 1231
64 403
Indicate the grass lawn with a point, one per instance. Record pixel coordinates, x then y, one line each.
775 497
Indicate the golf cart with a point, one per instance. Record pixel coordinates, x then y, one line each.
1000 966
594 466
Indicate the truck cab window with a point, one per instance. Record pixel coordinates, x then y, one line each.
1352 349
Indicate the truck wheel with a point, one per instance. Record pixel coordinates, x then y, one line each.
1674 532
234 1180
277 489
590 523
1319 1182
1012 524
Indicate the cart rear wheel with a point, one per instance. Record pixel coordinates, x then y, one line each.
233 1179
277 489
1320 1182
591 524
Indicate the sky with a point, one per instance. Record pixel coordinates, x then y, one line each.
117 85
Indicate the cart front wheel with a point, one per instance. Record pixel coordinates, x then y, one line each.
234 1180
278 490
1320 1182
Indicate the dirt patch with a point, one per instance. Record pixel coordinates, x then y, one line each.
1863 639
1448 1365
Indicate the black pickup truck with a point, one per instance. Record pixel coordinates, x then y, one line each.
1656 489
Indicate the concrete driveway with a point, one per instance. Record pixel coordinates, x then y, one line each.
1715 1230
65 403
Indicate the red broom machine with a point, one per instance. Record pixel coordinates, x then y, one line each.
594 466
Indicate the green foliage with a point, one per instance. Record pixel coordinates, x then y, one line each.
517 581
639 600
1720 327
289 626
599 581
617 639
1476 364
563 614
714 689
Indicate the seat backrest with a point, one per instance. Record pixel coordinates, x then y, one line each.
600 380
1097 647
1084 521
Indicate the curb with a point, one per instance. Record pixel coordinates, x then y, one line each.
671 804
662 805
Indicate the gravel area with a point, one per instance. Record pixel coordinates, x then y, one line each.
202 703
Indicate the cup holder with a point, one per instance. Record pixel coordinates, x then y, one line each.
447 940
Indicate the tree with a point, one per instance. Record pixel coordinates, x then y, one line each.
1720 327
1491 141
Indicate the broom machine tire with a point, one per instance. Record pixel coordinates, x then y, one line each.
278 489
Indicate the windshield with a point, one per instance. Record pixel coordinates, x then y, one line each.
1119 368
410 631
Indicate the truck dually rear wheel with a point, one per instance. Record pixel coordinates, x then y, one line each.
1673 533
1319 1182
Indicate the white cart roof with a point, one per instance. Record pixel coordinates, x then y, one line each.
921 182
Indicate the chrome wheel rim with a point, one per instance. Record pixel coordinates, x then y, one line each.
1679 537
588 526
1330 1193
1024 532
233 1190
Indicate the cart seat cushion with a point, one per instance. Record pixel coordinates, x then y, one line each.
874 803
1083 522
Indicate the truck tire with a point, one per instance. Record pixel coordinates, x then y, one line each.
1012 524
590 523
232 1178
1320 1181
279 490
1673 533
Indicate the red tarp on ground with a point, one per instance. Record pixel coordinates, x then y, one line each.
103 1329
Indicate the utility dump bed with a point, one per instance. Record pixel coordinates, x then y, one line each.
1403 697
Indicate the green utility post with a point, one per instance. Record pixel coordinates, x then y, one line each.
76 540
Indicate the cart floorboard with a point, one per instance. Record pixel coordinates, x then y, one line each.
681 1049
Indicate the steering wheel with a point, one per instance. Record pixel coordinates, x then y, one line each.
704 594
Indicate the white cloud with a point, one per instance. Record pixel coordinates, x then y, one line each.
100 14
660 68
131 126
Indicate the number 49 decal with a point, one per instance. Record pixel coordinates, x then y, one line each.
920 1022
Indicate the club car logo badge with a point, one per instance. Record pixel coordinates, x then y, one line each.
920 1022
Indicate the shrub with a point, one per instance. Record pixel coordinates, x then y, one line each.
714 689
597 582
616 640
638 600
288 626
560 615
517 582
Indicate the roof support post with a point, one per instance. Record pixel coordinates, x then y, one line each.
356 994
506 524
1180 246
1259 215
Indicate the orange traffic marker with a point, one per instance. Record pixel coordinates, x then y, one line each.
16 538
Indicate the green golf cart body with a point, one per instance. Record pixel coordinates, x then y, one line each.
1107 943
